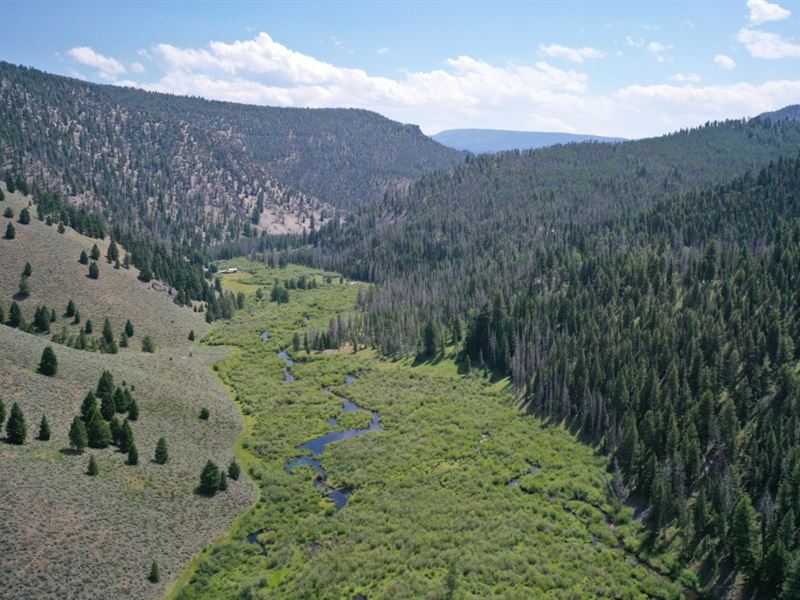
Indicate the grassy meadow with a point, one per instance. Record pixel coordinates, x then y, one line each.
432 514
65 534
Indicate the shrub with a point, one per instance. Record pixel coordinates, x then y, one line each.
234 470
148 345
91 470
204 414
154 576
133 455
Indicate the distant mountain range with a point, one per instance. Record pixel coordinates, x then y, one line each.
479 141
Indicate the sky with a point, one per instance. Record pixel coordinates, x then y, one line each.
629 69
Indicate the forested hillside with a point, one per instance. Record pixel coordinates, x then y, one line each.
185 168
631 293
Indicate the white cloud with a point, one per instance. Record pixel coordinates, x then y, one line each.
577 55
763 44
382 51
107 68
137 67
658 47
634 42
762 11
686 77
463 92
724 61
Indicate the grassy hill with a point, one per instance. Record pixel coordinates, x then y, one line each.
65 533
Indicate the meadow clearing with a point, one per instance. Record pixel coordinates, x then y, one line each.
443 501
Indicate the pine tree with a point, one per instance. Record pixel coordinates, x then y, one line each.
94 254
123 340
11 233
92 470
154 576
744 537
78 438
94 270
113 252
191 335
125 437
133 455
61 228
120 401
161 454
234 470
133 410
14 315
105 385
88 406
204 414
77 318
791 583
98 431
24 287
28 270
16 430
209 479
88 327
24 216
129 328
48 365
116 430
44 429
223 482
108 407
2 413
108 333
84 258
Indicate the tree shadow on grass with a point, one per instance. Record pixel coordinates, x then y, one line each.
70 452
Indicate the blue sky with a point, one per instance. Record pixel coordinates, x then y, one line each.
619 68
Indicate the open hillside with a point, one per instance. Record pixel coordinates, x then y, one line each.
66 533
183 167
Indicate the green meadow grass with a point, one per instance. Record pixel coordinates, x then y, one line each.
431 514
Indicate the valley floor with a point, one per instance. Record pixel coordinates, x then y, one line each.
456 495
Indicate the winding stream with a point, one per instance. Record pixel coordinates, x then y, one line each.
317 446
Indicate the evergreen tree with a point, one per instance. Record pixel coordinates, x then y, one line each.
125 437
191 335
95 253
48 365
16 430
113 252
78 438
223 482
44 429
791 583
61 228
94 270
744 536
108 407
129 328
24 287
133 410
92 470
121 401
8 213
24 216
108 333
154 576
133 455
77 318
105 385
84 258
88 406
234 470
161 454
98 431
2 413
123 340
204 414
28 270
14 315
209 479
116 430
88 327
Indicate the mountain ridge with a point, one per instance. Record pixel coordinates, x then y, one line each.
479 140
